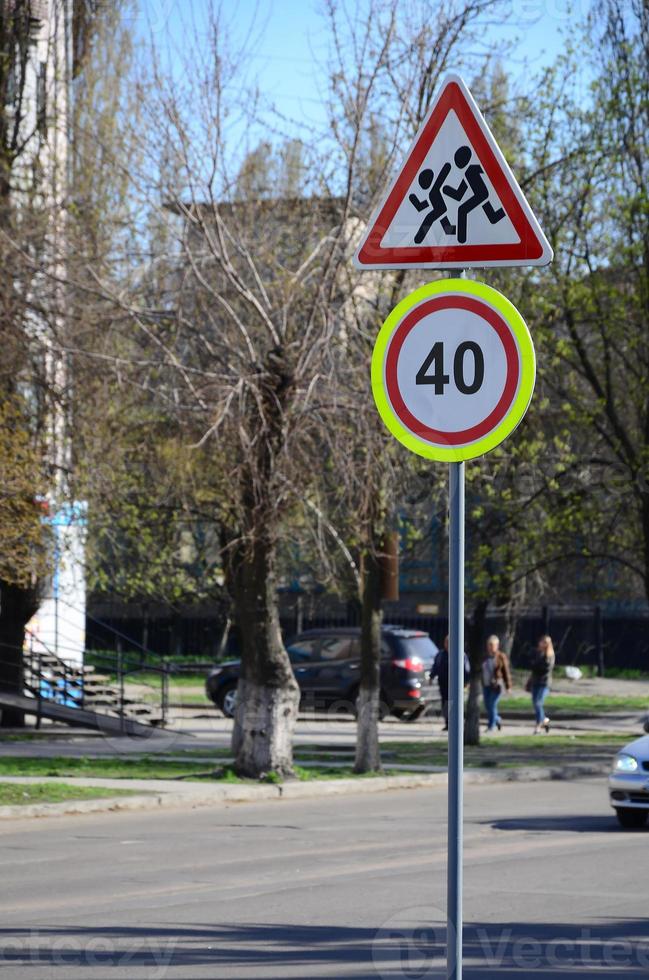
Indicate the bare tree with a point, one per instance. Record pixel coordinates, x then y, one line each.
233 310
243 298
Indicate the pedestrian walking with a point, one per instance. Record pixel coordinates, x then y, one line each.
496 677
540 681
439 670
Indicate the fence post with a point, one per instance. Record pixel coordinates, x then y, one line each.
39 676
299 613
120 677
165 694
599 641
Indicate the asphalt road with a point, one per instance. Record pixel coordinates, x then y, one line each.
347 887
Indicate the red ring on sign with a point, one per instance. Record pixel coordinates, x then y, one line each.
495 417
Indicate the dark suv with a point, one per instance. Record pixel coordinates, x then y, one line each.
326 663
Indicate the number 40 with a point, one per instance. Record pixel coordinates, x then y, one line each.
436 360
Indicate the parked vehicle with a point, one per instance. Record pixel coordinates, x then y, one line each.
628 784
326 663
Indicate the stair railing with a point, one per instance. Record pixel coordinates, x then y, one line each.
68 686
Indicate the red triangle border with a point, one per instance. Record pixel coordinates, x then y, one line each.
529 248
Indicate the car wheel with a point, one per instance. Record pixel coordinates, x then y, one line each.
630 818
227 699
407 716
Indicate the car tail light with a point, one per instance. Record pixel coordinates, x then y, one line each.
415 664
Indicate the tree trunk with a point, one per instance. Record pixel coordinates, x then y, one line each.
368 754
475 645
17 606
509 629
513 606
644 516
268 696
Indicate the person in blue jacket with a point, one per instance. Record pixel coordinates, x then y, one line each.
439 670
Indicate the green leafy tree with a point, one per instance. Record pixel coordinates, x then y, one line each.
26 392
593 321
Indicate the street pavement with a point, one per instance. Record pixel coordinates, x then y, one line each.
350 887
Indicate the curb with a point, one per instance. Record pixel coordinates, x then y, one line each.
195 795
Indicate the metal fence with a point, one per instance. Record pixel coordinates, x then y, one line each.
584 636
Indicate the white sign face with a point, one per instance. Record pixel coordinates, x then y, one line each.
410 227
440 376
455 202
453 370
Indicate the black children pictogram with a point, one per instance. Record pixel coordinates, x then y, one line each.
434 201
471 181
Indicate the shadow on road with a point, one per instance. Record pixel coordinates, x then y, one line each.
568 824
404 948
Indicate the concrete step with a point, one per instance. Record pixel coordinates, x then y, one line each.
98 691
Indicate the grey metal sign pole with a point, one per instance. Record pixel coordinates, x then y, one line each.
455 721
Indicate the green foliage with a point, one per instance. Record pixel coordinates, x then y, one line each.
591 316
24 538
153 514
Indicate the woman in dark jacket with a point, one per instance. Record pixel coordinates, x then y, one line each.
541 680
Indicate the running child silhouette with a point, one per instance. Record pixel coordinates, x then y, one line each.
473 181
434 200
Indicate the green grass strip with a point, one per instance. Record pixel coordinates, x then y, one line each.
22 794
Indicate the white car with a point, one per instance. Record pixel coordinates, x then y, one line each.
628 784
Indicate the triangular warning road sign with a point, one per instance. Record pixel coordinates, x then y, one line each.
455 202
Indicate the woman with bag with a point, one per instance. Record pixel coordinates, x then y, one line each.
496 677
540 680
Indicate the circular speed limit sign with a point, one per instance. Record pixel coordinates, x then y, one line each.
453 370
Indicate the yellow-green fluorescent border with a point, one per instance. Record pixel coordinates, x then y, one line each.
479 290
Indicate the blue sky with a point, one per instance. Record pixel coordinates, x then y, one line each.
291 34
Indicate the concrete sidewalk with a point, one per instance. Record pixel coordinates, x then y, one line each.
151 794
326 733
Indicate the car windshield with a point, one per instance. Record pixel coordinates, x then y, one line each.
418 646
301 650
